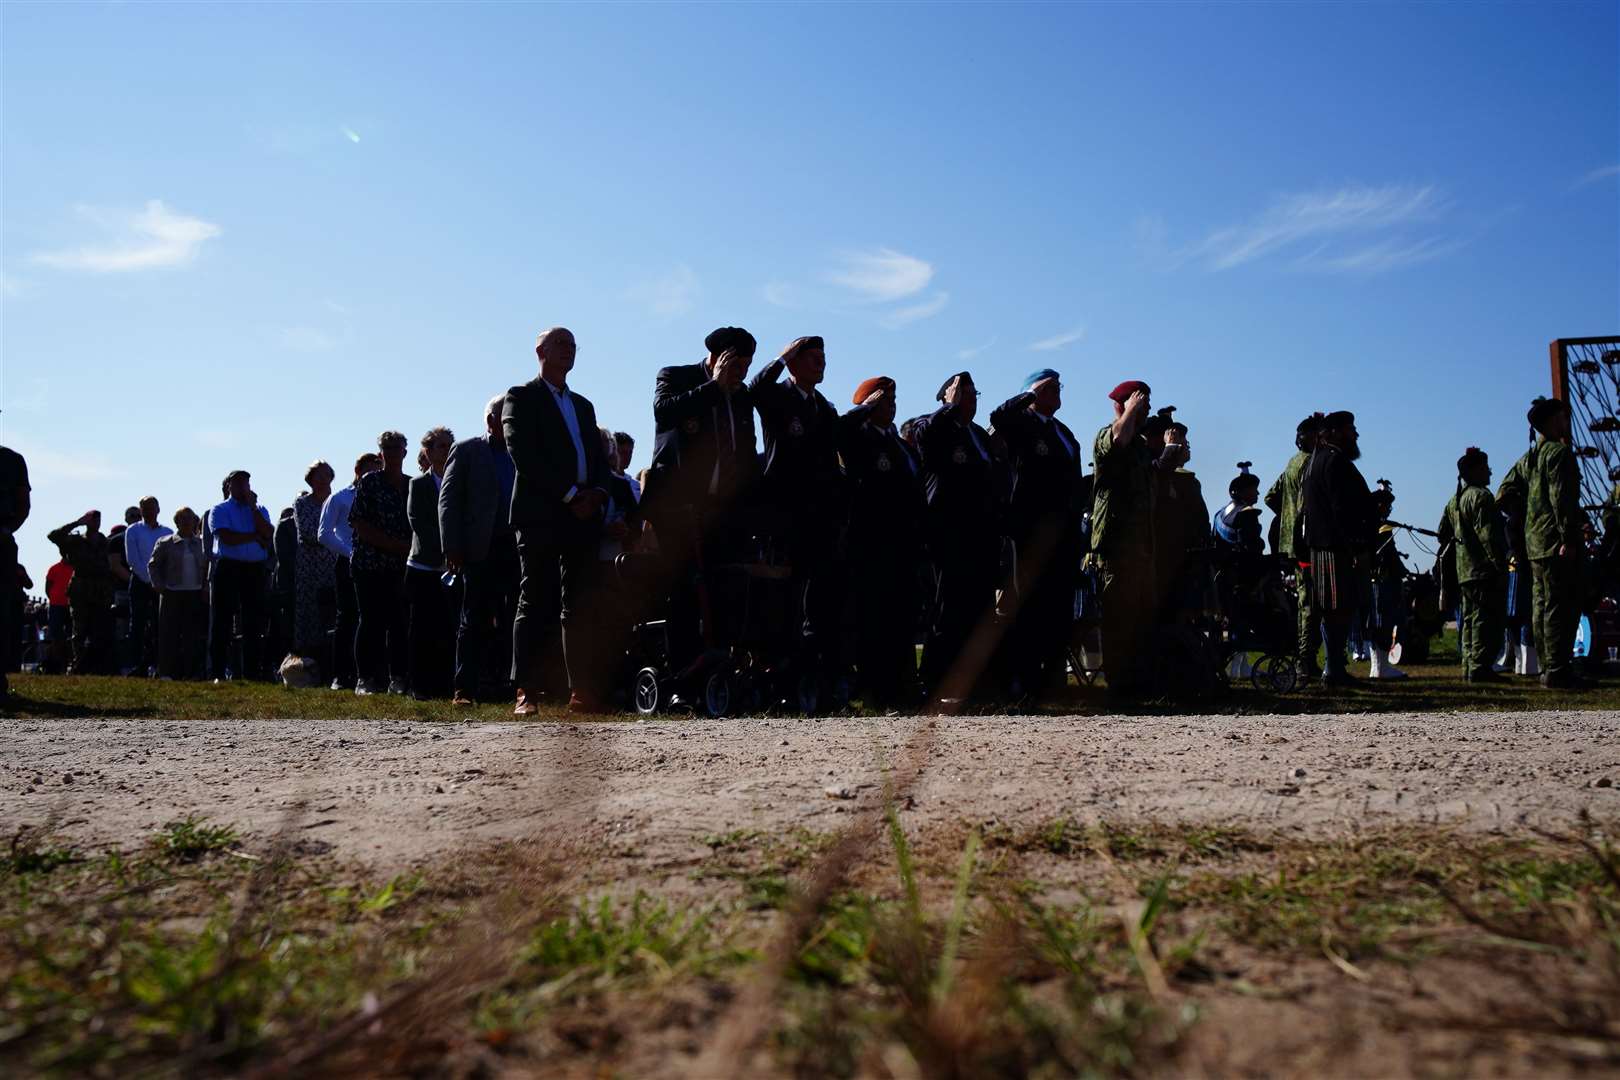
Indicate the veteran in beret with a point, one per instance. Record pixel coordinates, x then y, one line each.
1122 538
1044 522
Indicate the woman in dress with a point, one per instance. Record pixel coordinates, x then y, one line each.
313 578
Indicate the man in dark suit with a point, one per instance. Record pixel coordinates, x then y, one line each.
702 478
801 488
1044 522
886 528
557 502
963 540
475 505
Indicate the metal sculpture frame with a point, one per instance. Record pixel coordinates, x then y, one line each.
1586 375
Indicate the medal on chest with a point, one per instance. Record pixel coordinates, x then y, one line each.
1041 449
959 456
883 463
796 426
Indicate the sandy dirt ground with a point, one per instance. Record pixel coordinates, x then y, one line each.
393 793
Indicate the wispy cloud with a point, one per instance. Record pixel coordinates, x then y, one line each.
155 237
1601 173
674 293
1352 229
781 294
927 309
882 276
306 339
970 353
1320 218
1058 341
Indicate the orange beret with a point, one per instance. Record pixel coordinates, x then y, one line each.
872 386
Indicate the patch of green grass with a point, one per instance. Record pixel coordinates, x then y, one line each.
763 864
191 838
29 854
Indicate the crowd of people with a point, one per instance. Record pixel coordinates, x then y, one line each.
518 564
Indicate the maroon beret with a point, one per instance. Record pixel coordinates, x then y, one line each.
1125 389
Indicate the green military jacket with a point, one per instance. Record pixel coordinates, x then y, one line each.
87 554
1552 507
1122 505
1473 526
1284 500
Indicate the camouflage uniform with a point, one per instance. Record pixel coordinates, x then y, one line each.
90 598
1553 519
1473 526
1284 500
1122 544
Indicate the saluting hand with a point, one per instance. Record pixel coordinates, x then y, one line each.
729 369
1136 405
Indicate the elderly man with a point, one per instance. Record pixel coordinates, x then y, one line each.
336 536
558 497
1122 538
801 487
475 527
1044 521
245 535
963 536
886 521
1340 526
139 540
703 475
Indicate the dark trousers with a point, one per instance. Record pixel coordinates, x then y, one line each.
10 608
1129 612
489 599
348 624
885 594
1557 613
236 589
557 592
705 606
1038 646
382 642
1484 609
143 618
182 625
818 578
432 653
965 571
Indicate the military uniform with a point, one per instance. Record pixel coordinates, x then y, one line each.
887 515
90 598
1181 539
1122 544
963 543
1473 527
801 496
1553 519
1285 501
1044 521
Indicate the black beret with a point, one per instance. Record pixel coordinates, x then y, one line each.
734 338
946 385
1543 409
1338 419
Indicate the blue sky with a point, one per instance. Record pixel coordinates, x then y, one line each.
240 236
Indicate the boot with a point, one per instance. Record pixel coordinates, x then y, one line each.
1382 668
1532 663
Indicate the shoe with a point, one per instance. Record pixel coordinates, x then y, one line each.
396 686
1563 680
1484 676
1340 678
1382 668
337 684
585 705
362 690
462 701
525 707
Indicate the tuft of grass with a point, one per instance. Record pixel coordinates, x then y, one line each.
29 854
191 837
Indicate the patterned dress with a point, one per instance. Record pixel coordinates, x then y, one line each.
315 572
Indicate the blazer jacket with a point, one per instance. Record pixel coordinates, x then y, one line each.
422 510
800 464
696 431
958 475
547 467
1046 470
470 507
886 505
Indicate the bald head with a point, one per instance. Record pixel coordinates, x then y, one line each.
555 348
